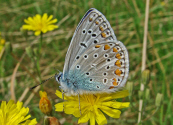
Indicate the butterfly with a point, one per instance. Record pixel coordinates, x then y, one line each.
96 62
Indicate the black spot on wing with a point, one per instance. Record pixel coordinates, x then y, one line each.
84 45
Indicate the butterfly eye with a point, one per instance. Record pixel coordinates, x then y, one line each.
58 77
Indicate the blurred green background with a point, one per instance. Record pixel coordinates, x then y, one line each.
127 20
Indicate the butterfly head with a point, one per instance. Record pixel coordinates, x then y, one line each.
58 77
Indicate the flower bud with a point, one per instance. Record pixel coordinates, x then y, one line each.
129 87
51 121
145 76
159 99
147 94
45 104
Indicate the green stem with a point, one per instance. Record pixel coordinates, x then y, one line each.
40 44
37 59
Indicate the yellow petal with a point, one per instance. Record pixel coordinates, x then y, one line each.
50 17
100 118
119 94
44 18
52 21
3 106
115 104
9 104
84 117
19 105
37 33
120 105
30 20
77 113
44 30
92 118
69 110
59 107
59 94
114 113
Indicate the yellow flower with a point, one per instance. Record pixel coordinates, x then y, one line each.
92 106
45 104
40 24
15 114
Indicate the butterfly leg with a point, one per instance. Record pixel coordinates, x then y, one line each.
79 104
62 96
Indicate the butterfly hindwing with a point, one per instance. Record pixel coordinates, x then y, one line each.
104 65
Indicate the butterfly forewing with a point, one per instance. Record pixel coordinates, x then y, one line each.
92 29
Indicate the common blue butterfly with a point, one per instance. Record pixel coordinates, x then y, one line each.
96 61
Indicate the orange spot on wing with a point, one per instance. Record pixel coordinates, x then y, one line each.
111 87
90 19
115 82
97 46
118 56
107 47
101 28
115 50
118 63
118 72
103 35
97 23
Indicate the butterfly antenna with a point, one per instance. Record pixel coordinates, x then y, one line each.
56 69
42 82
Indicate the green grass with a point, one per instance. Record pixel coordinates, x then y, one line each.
127 20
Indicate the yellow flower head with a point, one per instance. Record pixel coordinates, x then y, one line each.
45 104
40 24
92 106
15 114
